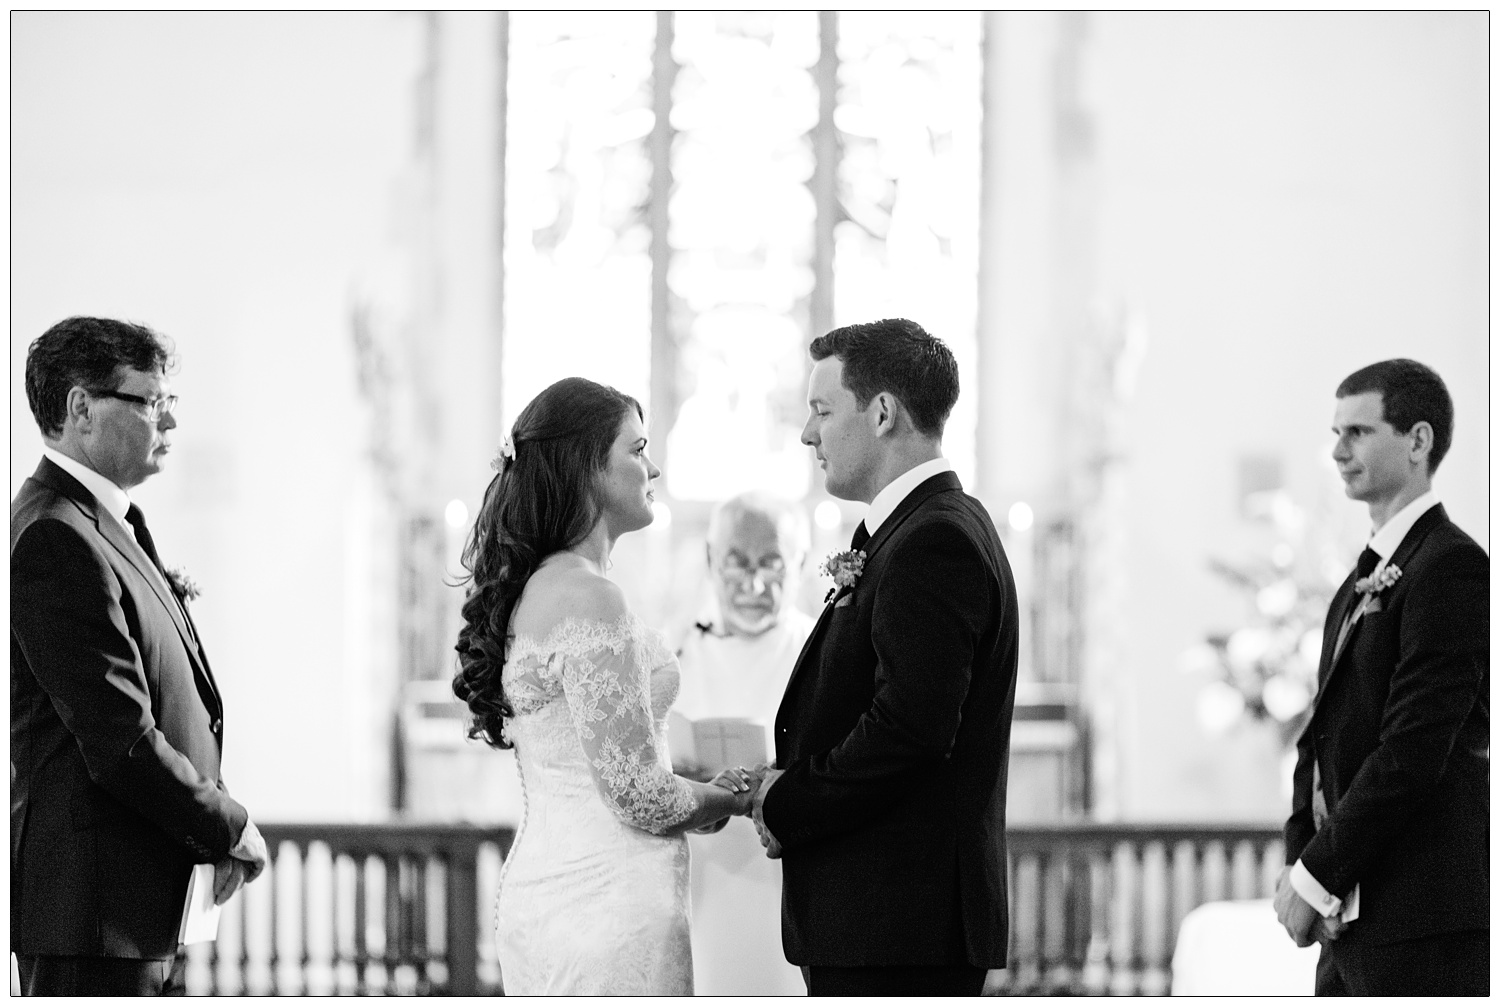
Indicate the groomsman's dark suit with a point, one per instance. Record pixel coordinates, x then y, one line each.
1398 743
894 737
116 730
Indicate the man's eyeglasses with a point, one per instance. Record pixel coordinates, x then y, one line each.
772 568
155 408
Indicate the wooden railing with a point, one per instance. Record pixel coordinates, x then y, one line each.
408 908
1095 909
361 909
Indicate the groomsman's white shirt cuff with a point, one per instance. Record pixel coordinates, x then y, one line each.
1305 885
1314 894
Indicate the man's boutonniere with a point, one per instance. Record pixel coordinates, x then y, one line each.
845 568
1378 581
185 586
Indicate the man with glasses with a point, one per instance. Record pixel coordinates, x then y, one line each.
735 663
116 723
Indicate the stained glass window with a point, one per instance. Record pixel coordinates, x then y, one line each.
741 216
741 233
908 118
577 256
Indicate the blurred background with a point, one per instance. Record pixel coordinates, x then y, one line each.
1156 242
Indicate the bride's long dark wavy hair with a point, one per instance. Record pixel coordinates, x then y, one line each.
542 500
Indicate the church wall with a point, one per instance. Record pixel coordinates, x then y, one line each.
224 179
1284 198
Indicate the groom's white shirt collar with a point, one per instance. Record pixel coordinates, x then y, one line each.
899 488
1385 539
110 496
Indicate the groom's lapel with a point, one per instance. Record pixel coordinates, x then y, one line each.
926 489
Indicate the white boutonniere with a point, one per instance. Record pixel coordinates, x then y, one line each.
1378 581
186 587
845 568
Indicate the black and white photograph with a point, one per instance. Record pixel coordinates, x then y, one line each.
749 503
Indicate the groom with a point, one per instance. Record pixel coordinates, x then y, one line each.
887 803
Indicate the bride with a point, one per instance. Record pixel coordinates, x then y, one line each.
593 896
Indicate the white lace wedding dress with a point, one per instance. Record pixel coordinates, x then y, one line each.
593 899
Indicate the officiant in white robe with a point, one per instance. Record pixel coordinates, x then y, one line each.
735 663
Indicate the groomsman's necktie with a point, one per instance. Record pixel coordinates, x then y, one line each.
861 536
1369 559
138 522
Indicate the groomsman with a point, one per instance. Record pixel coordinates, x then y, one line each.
116 726
1388 840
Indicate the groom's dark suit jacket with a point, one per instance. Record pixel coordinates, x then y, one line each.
1400 732
115 735
894 736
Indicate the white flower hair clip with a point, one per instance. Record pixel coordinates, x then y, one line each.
507 453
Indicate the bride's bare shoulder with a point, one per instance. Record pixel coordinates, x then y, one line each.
562 591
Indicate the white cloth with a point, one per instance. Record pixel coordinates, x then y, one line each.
592 899
740 676
1239 949
736 889
899 488
1383 542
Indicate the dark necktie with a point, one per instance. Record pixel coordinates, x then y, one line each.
1369 559
861 536
137 521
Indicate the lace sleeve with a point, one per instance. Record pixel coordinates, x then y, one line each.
607 685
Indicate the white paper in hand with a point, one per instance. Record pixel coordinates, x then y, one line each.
200 917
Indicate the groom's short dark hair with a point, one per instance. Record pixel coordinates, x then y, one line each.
1409 393
896 355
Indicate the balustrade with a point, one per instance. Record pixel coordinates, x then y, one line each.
361 909
408 908
1096 908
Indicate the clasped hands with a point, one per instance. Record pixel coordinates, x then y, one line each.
242 866
1303 923
753 784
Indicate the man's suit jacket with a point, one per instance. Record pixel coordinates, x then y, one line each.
115 735
894 736
1400 732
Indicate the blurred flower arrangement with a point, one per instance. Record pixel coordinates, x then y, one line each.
1267 670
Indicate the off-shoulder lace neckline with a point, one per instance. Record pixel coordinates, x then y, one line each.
578 634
